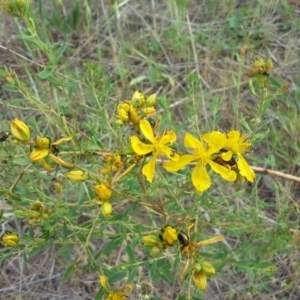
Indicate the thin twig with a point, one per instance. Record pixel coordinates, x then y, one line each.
275 174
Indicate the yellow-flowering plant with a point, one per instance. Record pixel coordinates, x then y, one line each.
94 171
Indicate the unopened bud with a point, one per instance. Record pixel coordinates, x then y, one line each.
106 209
77 176
10 239
150 101
20 130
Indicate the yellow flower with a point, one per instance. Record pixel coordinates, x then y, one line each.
103 192
106 209
10 239
169 235
121 294
261 67
203 155
44 148
157 146
237 144
77 176
20 130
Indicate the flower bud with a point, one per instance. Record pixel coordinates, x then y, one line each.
199 279
106 209
149 111
123 115
77 176
103 192
42 142
17 8
170 235
150 101
133 115
269 65
152 241
20 130
155 251
34 214
138 99
10 239
207 268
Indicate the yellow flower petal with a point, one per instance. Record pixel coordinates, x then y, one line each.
38 154
46 166
226 173
174 166
147 131
170 153
66 139
215 239
191 142
216 141
168 138
103 282
139 147
149 168
227 155
245 170
60 161
200 178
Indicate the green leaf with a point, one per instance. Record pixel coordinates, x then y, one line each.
132 273
70 272
117 276
130 254
45 73
59 52
112 245
21 161
81 237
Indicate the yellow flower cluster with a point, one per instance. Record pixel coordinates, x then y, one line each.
223 153
137 108
42 148
260 67
170 236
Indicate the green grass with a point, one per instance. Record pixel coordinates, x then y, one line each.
89 56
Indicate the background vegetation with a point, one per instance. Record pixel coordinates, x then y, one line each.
189 54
